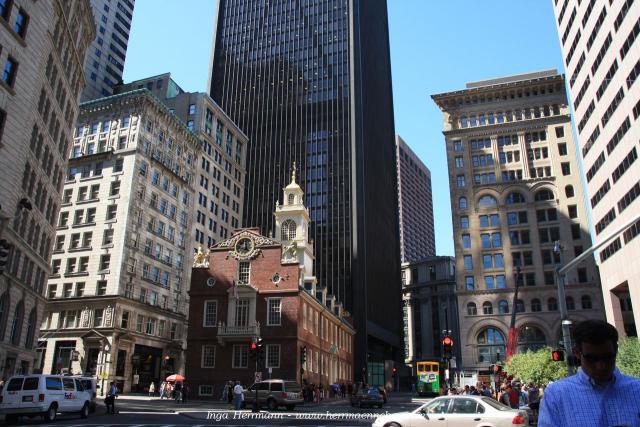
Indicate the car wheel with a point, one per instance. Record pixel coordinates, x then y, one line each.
290 407
393 425
84 412
51 413
11 419
272 404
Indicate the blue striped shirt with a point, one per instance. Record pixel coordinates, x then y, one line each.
579 401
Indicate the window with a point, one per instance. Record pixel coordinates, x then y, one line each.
487 308
124 321
210 317
5 8
462 203
469 283
566 168
107 237
544 194
115 188
568 191
514 198
118 165
562 149
459 162
466 241
111 212
468 262
503 307
101 287
288 230
273 356
464 222
192 109
20 26
460 181
487 201
244 269
9 72
105 261
571 305
240 356
471 309
491 345
274 312
586 302
208 356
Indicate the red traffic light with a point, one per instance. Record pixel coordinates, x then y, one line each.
497 369
447 341
253 346
395 371
557 355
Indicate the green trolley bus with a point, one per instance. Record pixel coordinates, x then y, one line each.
428 378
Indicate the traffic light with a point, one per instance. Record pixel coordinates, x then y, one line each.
253 348
5 248
497 369
557 356
395 371
447 347
303 355
259 349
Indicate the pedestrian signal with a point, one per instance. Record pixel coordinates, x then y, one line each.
557 355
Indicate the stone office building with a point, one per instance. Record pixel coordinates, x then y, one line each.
117 294
43 46
516 189
251 286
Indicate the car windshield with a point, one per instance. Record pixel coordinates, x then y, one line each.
495 404
373 391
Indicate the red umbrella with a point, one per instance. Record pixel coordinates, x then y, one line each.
175 377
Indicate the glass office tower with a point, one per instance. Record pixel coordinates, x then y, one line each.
310 81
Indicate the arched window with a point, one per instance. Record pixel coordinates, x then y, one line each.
4 313
471 309
491 346
503 306
291 198
288 230
519 306
31 328
514 198
536 305
586 302
531 338
487 201
571 305
552 304
487 307
568 191
16 324
462 203
544 194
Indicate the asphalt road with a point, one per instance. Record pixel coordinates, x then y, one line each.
140 412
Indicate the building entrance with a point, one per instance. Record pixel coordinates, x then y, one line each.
146 367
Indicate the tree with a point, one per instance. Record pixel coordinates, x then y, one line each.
628 360
536 367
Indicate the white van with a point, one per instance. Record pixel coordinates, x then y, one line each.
89 384
44 395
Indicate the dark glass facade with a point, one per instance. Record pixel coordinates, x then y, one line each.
310 81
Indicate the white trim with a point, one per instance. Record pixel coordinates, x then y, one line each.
200 393
204 314
202 355
266 359
269 311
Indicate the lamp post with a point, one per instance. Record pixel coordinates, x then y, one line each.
562 304
105 349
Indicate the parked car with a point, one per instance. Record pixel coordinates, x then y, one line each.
457 411
43 395
274 394
367 397
90 385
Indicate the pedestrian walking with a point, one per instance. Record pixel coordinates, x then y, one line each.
185 392
238 396
230 393
225 392
163 389
152 389
599 394
110 400
177 392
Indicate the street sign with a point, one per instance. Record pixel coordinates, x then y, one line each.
258 377
136 379
104 375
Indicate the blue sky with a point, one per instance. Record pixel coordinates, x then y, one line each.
436 46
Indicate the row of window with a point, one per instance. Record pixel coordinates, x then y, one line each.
80 266
536 306
509 116
321 326
274 312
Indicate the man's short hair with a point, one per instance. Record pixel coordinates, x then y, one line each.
594 332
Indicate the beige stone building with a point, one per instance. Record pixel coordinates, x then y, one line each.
515 189
43 51
602 57
122 254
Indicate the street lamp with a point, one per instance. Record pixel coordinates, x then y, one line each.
105 349
562 304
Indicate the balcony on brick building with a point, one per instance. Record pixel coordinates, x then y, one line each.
235 333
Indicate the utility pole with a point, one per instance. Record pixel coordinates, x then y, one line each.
564 315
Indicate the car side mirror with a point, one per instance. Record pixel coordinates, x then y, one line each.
423 412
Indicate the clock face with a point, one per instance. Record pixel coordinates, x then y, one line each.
244 246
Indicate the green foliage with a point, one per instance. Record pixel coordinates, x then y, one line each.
536 367
628 360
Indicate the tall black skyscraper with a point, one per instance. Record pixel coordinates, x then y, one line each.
310 81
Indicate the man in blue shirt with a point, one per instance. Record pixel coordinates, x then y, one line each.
599 394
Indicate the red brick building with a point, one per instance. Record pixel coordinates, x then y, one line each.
252 286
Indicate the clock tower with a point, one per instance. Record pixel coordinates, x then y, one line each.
292 229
